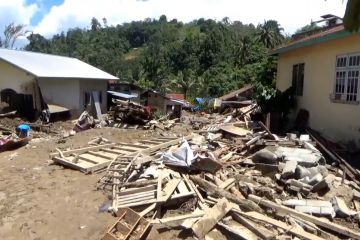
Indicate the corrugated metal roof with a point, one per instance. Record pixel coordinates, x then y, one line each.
52 66
176 96
122 95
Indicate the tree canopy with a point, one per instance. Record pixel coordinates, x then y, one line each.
12 32
352 15
201 58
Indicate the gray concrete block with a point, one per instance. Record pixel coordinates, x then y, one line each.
265 156
316 179
297 183
322 211
356 195
289 169
318 207
324 184
341 208
307 202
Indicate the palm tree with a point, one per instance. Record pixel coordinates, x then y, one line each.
186 82
242 51
270 34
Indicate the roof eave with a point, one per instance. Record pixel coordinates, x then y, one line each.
310 42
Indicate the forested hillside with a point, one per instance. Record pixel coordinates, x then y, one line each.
200 58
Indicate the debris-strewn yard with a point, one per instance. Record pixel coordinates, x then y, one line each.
208 176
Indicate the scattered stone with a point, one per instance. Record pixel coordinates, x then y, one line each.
356 195
324 184
318 207
289 169
265 156
341 208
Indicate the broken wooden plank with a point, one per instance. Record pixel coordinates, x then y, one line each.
211 218
186 178
212 189
267 130
142 183
147 210
318 221
83 150
240 233
100 154
178 218
260 231
296 231
169 189
165 145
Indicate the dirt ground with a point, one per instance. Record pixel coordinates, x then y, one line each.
40 200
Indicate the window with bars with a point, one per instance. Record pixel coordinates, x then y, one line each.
298 78
347 78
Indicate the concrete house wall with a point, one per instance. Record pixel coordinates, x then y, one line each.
63 92
69 93
340 121
88 85
16 79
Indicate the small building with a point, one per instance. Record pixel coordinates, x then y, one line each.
323 67
128 91
161 104
30 82
176 96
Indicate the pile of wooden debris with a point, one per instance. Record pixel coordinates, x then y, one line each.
126 112
237 178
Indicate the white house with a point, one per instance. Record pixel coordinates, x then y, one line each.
30 82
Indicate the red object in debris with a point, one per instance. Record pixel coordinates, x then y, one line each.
148 109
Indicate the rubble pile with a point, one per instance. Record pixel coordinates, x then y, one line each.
129 113
241 180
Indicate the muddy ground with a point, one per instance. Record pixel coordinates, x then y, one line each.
40 200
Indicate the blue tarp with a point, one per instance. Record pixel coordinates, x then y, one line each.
201 103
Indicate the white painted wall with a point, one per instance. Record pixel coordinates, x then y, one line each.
89 85
15 79
63 92
339 121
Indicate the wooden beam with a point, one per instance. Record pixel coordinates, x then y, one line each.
211 218
177 218
111 151
83 150
260 231
165 145
288 228
98 154
316 220
132 145
169 189
212 189
267 130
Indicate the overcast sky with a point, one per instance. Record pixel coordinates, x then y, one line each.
48 17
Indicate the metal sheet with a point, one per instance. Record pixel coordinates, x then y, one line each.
52 66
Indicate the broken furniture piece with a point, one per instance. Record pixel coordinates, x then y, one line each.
129 225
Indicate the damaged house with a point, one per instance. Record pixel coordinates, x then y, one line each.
323 66
31 82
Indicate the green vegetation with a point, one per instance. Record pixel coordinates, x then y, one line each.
200 58
352 15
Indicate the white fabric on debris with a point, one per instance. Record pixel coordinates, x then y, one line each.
182 157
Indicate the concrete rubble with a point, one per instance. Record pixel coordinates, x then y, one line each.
221 172
231 173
